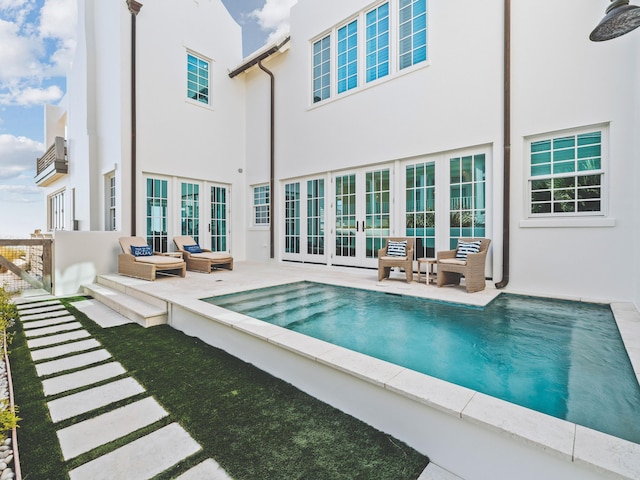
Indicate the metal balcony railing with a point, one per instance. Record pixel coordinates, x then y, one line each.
53 164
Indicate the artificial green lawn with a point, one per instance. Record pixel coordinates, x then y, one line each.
254 425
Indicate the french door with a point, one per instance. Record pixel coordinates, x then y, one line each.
362 216
204 213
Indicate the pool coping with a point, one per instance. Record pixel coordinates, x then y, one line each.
580 445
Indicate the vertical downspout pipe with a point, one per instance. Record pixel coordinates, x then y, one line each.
271 159
134 8
506 195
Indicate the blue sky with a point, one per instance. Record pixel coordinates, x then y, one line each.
37 43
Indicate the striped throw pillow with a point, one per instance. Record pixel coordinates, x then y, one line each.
397 249
465 248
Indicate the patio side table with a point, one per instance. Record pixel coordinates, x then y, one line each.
430 277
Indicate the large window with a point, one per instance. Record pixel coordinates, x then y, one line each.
377 42
157 214
261 202
420 221
219 222
292 217
566 175
467 211
361 48
197 79
348 57
315 217
110 223
412 32
322 69
190 210
56 211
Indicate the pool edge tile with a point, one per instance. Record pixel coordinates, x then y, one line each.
549 433
367 368
444 396
607 453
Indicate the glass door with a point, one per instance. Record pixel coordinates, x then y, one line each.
304 221
362 216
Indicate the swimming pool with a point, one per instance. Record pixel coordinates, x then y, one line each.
556 357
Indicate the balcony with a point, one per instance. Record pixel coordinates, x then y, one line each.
53 164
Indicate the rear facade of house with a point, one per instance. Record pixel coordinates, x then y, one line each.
370 119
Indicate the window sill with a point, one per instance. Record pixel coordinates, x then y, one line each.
195 103
565 222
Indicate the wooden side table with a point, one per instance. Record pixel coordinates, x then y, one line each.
430 277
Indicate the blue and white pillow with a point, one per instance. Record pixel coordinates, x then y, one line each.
397 249
465 248
144 251
192 248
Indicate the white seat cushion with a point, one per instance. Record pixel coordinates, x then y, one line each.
395 258
213 255
453 261
159 260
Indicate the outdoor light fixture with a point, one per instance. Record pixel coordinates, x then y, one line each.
620 18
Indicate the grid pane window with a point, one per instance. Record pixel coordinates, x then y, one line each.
566 175
190 210
56 211
348 57
315 217
197 79
420 220
412 32
111 213
261 204
378 216
219 221
346 216
467 185
322 69
292 218
157 214
377 42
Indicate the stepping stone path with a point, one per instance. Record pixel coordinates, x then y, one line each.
81 376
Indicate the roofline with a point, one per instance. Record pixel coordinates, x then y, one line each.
254 61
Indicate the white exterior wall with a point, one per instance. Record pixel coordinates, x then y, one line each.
561 80
179 138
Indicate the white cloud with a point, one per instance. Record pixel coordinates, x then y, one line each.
58 20
31 96
19 53
18 156
274 17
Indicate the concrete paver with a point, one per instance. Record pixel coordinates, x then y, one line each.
45 309
38 332
82 378
209 469
48 322
26 318
85 436
141 459
69 363
53 339
27 306
65 349
82 402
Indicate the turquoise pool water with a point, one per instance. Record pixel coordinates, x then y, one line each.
562 358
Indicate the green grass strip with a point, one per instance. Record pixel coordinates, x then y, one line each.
255 425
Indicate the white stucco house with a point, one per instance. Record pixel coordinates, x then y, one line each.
394 117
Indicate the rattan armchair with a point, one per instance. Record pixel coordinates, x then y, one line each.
147 267
206 260
386 262
450 268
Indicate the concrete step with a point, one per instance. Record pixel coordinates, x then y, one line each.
135 309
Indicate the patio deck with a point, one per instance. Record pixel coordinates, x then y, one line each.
465 432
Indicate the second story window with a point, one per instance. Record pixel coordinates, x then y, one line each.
378 42
348 57
197 79
322 69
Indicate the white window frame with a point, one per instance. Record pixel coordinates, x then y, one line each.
56 210
568 219
261 203
111 210
394 48
209 62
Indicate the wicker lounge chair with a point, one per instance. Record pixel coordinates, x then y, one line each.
147 266
203 261
387 261
450 268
